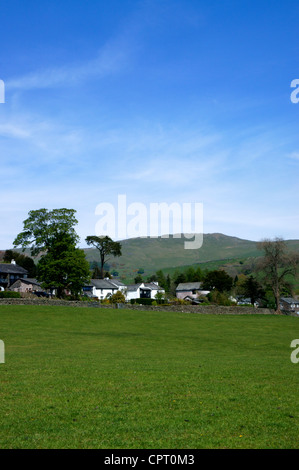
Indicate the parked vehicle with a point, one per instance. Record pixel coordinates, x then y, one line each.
41 294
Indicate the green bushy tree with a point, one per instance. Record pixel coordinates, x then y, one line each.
52 235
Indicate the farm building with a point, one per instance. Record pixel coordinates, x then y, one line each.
190 290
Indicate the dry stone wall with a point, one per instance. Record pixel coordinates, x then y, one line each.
203 309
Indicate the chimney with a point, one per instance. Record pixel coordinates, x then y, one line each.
13 261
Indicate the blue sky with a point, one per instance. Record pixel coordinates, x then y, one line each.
183 101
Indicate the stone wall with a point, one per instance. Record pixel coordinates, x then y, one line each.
203 309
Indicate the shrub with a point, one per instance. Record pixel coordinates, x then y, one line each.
118 298
10 295
159 298
203 299
220 298
85 298
177 301
144 301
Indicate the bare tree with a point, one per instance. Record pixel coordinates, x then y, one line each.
277 265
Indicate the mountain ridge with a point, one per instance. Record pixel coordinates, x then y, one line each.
151 254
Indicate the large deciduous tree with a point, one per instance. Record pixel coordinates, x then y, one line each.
43 227
219 280
106 246
277 267
250 287
51 234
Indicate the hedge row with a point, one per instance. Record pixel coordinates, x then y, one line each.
9 295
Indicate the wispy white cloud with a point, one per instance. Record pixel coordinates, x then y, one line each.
40 136
14 131
294 155
53 163
112 58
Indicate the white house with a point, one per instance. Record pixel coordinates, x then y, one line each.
143 290
100 288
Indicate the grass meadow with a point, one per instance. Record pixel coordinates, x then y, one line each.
122 379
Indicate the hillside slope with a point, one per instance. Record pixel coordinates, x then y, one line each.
152 254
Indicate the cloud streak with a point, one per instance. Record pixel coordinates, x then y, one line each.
111 59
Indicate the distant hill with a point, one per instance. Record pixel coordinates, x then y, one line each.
152 254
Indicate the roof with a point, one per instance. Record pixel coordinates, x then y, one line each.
186 286
29 280
152 286
144 286
289 300
10 268
106 283
118 283
133 287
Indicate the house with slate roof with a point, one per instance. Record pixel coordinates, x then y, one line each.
289 304
190 290
26 285
143 290
11 272
100 288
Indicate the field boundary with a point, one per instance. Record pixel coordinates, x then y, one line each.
204 309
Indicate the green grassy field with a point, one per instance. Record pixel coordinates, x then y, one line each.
123 379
